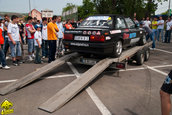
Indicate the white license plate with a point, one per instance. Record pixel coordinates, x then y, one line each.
82 38
89 62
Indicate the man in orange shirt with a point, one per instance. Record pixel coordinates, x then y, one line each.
52 30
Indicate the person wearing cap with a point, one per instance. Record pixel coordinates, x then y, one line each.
3 64
38 43
149 33
165 92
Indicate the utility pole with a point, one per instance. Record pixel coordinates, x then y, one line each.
169 10
29 7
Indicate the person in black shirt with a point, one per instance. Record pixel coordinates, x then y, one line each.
165 92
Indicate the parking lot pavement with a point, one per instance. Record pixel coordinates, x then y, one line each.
134 92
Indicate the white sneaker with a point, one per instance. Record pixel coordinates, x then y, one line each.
43 57
6 67
33 55
30 58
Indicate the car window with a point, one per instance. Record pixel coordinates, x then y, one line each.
120 24
130 23
98 21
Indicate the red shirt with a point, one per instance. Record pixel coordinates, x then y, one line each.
68 26
29 35
1 37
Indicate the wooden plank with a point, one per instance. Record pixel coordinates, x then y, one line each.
36 74
68 92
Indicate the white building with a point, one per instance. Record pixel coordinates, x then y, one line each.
47 13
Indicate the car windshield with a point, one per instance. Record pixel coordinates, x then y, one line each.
97 21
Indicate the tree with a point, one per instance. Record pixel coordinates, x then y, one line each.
127 7
86 9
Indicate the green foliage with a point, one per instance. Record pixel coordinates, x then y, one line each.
86 9
142 8
69 6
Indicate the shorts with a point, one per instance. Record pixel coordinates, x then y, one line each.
30 45
15 49
167 85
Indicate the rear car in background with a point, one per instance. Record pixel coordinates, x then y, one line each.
105 35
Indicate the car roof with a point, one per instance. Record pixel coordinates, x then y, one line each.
114 15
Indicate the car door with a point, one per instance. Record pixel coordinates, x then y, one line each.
133 30
121 25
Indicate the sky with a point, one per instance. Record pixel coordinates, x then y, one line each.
22 6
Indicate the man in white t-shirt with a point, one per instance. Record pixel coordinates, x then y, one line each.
160 28
38 43
60 35
44 40
147 22
168 30
14 40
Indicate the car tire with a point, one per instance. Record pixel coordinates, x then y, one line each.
140 57
117 49
146 53
142 40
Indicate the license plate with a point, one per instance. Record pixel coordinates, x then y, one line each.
88 62
81 38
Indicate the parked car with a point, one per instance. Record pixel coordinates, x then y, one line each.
104 35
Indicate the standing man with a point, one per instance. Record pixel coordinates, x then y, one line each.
14 40
154 28
147 22
6 43
165 92
3 63
52 30
30 38
60 35
161 28
45 39
168 30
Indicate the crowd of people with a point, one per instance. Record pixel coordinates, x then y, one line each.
43 38
155 29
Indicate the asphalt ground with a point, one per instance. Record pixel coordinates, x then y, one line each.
134 92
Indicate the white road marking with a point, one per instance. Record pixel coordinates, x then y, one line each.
60 76
163 51
70 75
156 70
8 81
103 109
51 77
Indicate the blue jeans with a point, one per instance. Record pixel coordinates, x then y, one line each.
154 33
167 36
52 50
15 49
6 46
161 33
151 36
38 55
45 48
30 45
2 57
